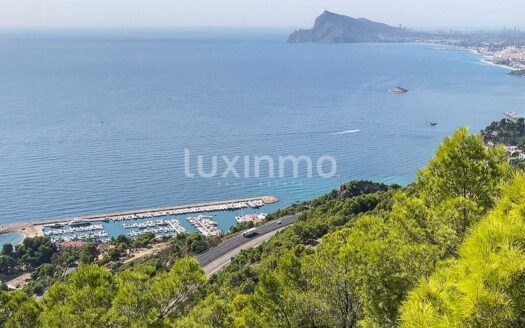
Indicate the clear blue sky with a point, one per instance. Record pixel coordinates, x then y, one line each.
260 13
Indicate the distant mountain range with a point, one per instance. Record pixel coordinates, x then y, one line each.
334 28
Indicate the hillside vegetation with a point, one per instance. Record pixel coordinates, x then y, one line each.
507 132
446 251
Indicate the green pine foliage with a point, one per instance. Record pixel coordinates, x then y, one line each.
485 286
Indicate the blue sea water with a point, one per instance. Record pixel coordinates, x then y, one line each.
97 121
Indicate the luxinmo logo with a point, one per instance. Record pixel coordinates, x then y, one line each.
258 166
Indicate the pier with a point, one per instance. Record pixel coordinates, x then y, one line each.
73 230
88 236
36 228
205 225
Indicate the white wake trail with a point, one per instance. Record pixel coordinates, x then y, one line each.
347 131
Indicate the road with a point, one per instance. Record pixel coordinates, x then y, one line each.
215 258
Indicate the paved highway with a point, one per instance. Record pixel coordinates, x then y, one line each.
239 240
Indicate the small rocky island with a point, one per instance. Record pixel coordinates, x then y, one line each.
398 90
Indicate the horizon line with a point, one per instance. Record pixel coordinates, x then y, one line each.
260 27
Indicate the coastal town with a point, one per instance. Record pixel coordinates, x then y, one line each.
512 56
505 48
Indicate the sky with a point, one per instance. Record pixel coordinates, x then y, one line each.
258 13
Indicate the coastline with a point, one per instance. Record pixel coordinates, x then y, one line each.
13 238
27 230
487 58
487 61
36 228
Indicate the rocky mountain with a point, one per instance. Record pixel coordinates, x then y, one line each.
334 28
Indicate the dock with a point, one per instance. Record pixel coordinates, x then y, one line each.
205 225
35 228
171 228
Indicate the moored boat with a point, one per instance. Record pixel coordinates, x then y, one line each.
78 223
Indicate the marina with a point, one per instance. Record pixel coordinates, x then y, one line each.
97 232
102 226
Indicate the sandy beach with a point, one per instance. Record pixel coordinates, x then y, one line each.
487 60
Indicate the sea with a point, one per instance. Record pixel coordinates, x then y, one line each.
96 121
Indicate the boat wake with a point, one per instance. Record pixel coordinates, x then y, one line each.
347 132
